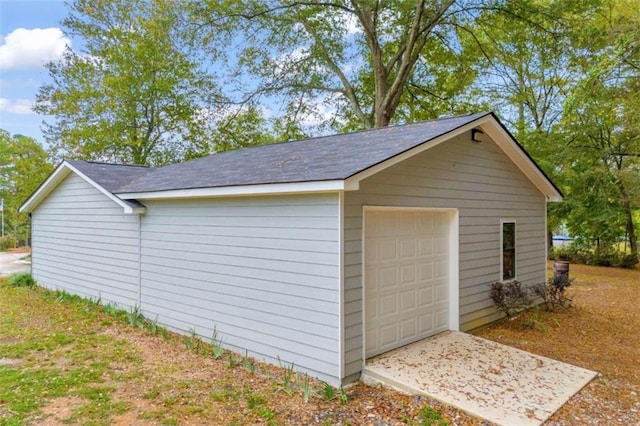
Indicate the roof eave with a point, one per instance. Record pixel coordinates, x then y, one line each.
308 187
499 134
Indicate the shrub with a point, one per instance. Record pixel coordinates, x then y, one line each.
8 242
602 257
629 261
553 292
509 296
22 280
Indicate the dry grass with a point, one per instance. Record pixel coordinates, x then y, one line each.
66 361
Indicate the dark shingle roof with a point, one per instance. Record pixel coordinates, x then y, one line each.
111 176
334 157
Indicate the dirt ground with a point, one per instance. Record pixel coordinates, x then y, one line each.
600 332
167 382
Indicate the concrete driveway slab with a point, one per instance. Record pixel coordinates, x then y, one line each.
504 385
12 263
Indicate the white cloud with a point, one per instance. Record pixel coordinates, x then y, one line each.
31 48
16 106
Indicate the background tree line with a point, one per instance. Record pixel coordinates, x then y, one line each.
160 81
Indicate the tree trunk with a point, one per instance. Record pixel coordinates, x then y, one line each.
628 212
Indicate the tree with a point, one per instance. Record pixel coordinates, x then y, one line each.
352 64
134 93
602 155
23 166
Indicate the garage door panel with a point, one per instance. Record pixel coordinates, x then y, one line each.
387 305
406 277
408 329
425 246
386 250
408 274
408 300
407 248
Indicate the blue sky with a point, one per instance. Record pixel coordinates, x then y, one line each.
30 34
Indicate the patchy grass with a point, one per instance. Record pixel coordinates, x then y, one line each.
68 360
600 332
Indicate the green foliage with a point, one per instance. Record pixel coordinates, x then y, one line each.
287 379
340 65
607 256
430 417
248 363
216 344
21 280
8 242
135 317
23 166
535 321
192 341
135 93
328 392
306 388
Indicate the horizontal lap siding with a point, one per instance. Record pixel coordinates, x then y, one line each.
485 186
262 270
84 244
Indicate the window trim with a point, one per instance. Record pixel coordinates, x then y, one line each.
502 251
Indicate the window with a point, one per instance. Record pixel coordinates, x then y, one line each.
508 250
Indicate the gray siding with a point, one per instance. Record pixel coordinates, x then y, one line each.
485 186
262 270
83 243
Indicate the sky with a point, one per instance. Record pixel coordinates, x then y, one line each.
30 36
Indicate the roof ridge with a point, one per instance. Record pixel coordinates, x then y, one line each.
107 163
353 132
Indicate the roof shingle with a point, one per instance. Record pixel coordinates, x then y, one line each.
335 157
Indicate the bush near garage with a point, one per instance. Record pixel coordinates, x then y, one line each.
8 242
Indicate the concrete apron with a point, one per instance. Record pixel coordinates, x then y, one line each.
495 382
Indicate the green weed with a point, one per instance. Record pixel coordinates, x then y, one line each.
23 279
427 416
135 317
534 321
328 392
306 388
216 345
192 341
248 363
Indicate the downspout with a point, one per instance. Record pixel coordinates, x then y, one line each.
30 239
139 261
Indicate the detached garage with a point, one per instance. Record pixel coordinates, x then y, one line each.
321 252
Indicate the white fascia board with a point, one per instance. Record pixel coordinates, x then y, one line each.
241 190
497 133
520 158
58 176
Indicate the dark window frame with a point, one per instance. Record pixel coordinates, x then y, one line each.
508 250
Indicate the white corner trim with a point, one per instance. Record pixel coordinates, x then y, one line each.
454 270
58 175
341 310
243 190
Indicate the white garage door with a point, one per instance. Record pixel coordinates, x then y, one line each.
406 277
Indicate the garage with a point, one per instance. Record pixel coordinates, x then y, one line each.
407 276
